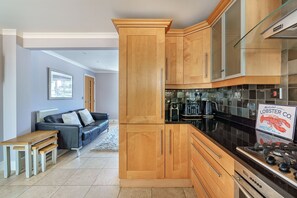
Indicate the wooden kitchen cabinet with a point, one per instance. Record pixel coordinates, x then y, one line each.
174 70
142 75
197 57
211 166
141 151
177 149
253 60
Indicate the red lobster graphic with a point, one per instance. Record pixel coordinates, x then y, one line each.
275 122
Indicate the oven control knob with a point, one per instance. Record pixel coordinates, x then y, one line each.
270 160
284 167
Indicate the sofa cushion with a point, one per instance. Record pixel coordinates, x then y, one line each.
89 131
56 118
86 117
99 123
70 118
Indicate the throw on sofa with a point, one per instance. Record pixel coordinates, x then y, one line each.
74 136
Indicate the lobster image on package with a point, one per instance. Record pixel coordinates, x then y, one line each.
277 120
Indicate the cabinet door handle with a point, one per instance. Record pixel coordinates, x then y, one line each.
166 69
161 142
204 189
206 65
169 141
197 139
161 86
212 168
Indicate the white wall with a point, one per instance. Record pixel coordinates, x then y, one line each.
107 94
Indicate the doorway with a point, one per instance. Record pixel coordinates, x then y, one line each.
89 93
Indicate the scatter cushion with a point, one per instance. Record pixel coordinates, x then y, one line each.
70 118
86 117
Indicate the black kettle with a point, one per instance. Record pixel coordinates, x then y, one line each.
209 107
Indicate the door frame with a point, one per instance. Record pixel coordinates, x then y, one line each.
88 75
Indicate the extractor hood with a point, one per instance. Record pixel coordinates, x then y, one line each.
284 28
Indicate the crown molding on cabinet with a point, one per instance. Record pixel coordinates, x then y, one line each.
142 23
175 33
221 7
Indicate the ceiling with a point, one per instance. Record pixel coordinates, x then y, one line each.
94 16
96 60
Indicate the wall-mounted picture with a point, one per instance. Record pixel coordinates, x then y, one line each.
60 85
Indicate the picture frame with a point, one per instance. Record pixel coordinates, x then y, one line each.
60 85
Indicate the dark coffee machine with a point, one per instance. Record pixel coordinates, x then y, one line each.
174 112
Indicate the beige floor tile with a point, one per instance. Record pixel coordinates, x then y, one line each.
94 163
112 163
107 177
23 181
39 192
71 192
12 191
135 193
190 193
83 177
99 154
103 191
168 193
9 180
56 177
73 164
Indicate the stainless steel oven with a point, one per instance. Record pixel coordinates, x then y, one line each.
249 185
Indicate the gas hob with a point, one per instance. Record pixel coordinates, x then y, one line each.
276 155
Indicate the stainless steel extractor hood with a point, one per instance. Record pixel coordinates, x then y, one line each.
284 28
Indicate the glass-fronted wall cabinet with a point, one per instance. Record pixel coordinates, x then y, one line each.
231 61
217 68
232 35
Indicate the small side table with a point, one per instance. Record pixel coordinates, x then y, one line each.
27 141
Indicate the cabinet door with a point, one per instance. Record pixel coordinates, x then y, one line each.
232 35
196 57
217 67
142 83
174 60
141 151
177 151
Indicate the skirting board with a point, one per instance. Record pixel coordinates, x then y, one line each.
155 183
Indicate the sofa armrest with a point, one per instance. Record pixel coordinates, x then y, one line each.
99 116
69 136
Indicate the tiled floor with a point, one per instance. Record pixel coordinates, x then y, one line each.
93 174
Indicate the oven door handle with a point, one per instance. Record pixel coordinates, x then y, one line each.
248 195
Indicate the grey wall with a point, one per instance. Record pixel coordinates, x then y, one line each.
1 96
24 90
32 86
107 98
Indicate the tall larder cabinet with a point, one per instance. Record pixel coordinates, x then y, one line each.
141 97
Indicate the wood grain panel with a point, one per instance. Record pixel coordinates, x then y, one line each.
174 73
141 151
142 75
177 147
193 58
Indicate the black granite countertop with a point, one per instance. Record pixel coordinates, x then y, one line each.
228 135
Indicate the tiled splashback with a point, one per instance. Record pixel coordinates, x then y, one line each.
236 100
